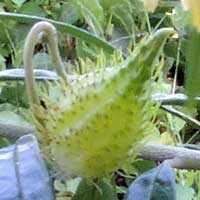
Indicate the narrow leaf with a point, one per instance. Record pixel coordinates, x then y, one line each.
76 32
193 64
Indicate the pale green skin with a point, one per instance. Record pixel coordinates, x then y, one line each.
99 120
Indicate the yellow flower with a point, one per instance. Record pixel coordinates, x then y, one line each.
194 7
150 5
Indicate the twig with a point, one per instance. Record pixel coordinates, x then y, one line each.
180 158
195 123
13 132
19 74
173 99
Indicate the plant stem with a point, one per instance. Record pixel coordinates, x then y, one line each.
13 132
177 99
180 158
48 32
193 122
176 68
148 22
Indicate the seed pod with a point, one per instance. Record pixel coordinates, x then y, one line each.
99 120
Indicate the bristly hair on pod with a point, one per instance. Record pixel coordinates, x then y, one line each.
92 124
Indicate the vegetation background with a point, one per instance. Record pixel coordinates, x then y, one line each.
122 23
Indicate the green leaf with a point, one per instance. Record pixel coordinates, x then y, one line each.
42 61
100 190
157 184
94 7
86 51
93 14
92 21
14 94
122 14
184 192
143 165
76 32
69 13
176 123
2 62
177 17
193 64
72 184
18 2
171 49
9 117
120 39
31 8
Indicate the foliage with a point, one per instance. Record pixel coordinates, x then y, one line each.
158 183
100 190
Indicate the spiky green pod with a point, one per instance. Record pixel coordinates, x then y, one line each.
100 118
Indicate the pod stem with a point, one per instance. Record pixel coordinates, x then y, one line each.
49 33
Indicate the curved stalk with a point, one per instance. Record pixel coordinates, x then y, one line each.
48 32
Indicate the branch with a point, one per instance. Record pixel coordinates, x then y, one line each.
173 99
193 122
167 102
180 158
19 74
39 75
13 132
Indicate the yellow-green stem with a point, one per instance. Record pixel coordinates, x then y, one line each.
49 31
